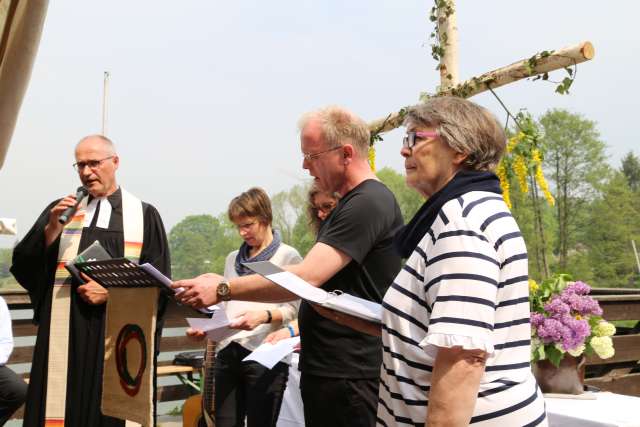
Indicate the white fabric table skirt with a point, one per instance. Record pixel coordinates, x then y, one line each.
606 410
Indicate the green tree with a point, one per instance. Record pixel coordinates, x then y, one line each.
576 162
614 221
408 199
303 237
5 262
287 207
200 244
631 170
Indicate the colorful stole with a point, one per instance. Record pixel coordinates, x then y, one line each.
61 301
128 378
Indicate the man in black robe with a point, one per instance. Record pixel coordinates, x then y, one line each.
34 266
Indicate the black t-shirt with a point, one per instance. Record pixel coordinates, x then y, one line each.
362 225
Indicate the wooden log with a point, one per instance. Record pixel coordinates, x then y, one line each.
448 35
519 70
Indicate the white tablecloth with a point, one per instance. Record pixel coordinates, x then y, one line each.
606 410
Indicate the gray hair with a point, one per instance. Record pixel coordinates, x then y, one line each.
340 126
109 145
466 127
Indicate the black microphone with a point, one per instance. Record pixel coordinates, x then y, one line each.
81 193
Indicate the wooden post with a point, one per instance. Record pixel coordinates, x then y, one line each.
448 36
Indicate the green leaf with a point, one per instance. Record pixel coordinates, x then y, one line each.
553 354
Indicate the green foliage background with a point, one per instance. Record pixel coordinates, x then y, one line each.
587 233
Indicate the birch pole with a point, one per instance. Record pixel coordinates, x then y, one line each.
448 37
538 64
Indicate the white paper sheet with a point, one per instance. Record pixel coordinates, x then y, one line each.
217 327
167 282
268 354
342 302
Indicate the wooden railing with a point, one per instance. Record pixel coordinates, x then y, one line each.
175 318
621 373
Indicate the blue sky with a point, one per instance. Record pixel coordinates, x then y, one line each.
205 95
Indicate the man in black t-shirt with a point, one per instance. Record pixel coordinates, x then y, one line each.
340 366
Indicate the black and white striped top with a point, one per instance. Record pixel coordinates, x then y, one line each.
466 285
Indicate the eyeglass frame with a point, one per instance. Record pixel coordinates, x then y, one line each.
325 207
79 166
247 226
409 140
312 156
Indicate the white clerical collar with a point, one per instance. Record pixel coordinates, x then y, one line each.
104 215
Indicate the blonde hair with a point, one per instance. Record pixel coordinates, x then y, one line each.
340 126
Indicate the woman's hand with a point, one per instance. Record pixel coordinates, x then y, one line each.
278 335
249 320
196 334
352 322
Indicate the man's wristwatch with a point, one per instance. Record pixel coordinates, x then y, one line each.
224 291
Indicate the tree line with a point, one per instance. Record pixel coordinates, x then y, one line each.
587 232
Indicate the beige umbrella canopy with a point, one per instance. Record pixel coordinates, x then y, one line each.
21 24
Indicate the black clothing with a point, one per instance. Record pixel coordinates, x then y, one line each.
247 389
354 405
362 225
13 392
34 268
465 181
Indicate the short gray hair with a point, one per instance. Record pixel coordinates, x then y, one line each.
106 141
340 126
466 127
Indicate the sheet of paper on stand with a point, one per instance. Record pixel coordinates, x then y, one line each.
167 282
342 302
268 354
217 327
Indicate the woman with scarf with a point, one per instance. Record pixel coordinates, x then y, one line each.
248 389
455 322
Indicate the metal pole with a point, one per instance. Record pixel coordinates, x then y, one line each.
104 102
635 251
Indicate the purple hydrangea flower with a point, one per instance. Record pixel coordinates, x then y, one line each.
579 288
557 307
584 305
575 332
536 319
551 330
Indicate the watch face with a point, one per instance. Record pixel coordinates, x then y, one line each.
223 289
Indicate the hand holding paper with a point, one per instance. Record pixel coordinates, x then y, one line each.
268 354
216 328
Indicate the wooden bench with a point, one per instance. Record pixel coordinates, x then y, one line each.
173 340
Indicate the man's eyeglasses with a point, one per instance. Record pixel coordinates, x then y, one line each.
312 156
411 138
93 164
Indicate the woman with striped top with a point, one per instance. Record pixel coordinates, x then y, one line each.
455 330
